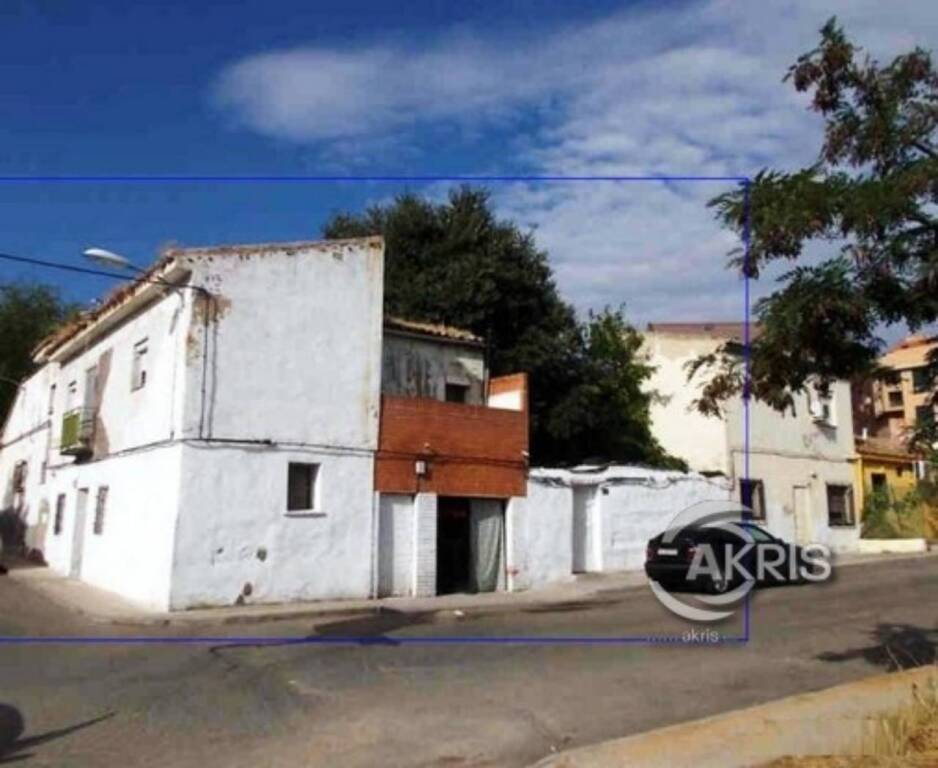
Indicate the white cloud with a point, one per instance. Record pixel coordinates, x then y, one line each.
689 90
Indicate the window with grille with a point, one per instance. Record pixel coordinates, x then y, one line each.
100 506
138 371
59 519
840 505
752 495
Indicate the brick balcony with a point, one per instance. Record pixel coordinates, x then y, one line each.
466 450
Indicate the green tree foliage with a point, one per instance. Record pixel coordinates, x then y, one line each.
27 313
869 202
455 263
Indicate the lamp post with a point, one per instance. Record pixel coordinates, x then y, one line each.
113 260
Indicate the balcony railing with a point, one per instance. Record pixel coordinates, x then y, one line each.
77 432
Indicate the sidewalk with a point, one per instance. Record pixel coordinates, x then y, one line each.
105 607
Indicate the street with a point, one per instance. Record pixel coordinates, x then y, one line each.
452 704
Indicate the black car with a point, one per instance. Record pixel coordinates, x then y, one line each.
669 558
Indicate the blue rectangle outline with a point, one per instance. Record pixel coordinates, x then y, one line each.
744 181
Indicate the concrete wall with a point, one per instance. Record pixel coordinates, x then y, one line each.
421 367
632 504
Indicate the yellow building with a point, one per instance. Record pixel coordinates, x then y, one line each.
885 465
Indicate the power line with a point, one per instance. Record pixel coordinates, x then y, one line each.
71 268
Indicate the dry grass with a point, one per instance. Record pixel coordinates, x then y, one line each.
905 739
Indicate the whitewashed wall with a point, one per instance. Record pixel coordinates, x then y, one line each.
634 504
294 375
234 529
295 353
132 554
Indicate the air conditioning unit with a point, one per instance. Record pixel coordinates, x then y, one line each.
820 411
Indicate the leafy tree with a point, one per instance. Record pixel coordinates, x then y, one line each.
605 412
869 202
27 313
455 263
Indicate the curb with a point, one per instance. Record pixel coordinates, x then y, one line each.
832 721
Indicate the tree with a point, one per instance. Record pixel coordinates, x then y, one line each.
455 263
28 312
868 202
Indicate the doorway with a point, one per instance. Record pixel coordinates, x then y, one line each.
804 524
586 554
78 533
470 542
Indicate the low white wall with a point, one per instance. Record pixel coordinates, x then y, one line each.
235 535
891 546
633 504
540 533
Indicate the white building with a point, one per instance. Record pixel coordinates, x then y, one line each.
800 470
217 432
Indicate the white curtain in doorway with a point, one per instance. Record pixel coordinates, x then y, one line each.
487 526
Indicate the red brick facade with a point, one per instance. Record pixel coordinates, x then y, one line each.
468 450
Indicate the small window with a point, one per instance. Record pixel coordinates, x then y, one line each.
51 399
301 487
878 481
752 496
457 393
59 518
839 505
895 398
100 505
71 400
138 373
921 380
923 415
43 471
19 476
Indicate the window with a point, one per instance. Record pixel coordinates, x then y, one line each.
51 399
878 481
138 370
457 393
19 476
923 415
43 471
59 514
921 380
752 495
839 505
100 504
821 408
301 487
71 399
895 398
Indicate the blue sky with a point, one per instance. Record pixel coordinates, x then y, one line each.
295 87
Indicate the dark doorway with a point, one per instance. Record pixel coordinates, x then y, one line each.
453 551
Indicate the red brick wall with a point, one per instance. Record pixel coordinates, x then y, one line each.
469 450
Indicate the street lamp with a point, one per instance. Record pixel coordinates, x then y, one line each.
108 258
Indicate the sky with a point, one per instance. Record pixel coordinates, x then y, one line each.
370 88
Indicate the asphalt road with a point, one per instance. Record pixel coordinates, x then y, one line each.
384 703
